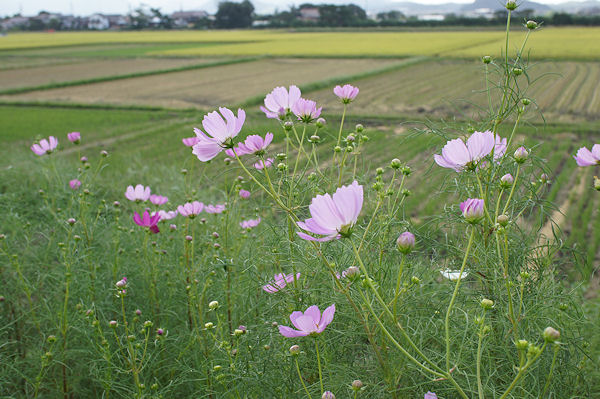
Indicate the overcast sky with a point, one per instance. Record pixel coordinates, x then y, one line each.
86 7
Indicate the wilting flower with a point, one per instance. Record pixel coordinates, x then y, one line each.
279 101
189 141
346 93
460 156
220 130
190 209
453 275
244 194
279 282
147 221
166 215
306 110
254 144
218 208
158 199
74 137
406 242
472 210
586 157
333 216
260 165
139 193
74 184
45 146
250 223
430 395
310 322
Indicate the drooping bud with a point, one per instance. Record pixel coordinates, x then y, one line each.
406 242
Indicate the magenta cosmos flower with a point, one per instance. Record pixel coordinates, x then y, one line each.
306 110
74 137
147 221
586 157
190 209
45 146
280 101
279 282
250 223
460 156
254 144
472 210
74 184
333 216
311 322
220 130
346 93
139 193
267 163
218 208
244 194
158 199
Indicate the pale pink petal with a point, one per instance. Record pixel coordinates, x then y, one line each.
291 333
327 318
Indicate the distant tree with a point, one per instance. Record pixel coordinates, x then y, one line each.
346 15
391 16
165 21
232 15
140 18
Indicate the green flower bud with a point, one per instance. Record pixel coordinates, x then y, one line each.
531 25
281 156
511 5
525 101
217 368
379 171
357 385
415 280
213 305
51 339
294 350
395 164
517 71
359 128
503 220
406 171
522 344
337 148
487 303
208 325
486 59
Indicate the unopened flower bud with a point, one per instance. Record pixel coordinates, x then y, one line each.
71 221
51 339
350 138
379 171
517 71
160 331
237 332
349 148
533 350
112 323
357 385
172 227
294 350
217 368
288 125
282 167
216 245
503 220
321 122
138 312
525 101
213 305
328 395
314 138
511 5
531 25
406 193
486 59
281 156
415 280
208 325
266 347
522 344
406 171
551 335
352 272
359 128
405 242
184 172
395 163
487 303
227 160
337 148
521 155
506 181
596 183
188 238
544 178
2 236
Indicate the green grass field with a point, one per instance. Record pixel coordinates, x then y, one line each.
137 94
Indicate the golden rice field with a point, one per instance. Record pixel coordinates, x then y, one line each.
562 43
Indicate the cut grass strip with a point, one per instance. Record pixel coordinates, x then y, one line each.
57 85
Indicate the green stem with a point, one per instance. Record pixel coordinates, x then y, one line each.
301 379
398 286
547 385
479 349
522 371
447 321
319 364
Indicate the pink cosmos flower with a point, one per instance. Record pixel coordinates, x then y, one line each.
346 93
139 193
306 110
254 144
189 141
333 216
190 209
220 130
74 184
279 101
158 199
279 282
430 395
74 137
218 208
250 223
586 157
147 221
460 156
165 215
267 163
45 146
311 322
244 194
472 210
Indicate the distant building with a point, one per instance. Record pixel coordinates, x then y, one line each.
187 19
98 22
14 23
431 17
117 21
309 14
487 13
